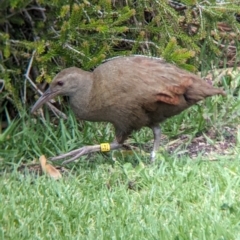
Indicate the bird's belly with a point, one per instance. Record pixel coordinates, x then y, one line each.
126 119
164 111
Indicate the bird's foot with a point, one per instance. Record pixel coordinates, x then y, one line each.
76 153
153 156
105 147
156 157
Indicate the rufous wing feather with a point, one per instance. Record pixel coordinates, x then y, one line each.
172 93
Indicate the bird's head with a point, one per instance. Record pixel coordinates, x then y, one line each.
65 83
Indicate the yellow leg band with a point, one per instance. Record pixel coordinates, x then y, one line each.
105 147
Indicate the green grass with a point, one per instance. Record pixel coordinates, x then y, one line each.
178 197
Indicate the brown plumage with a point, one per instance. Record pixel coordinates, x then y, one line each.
130 92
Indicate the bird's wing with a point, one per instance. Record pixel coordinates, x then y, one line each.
147 80
156 79
171 92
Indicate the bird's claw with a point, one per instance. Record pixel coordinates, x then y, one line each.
76 153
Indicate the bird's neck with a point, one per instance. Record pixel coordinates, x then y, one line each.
79 100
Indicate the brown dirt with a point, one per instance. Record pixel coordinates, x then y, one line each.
207 144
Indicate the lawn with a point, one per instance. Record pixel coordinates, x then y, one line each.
192 191
178 199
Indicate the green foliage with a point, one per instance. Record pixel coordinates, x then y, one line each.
63 34
179 56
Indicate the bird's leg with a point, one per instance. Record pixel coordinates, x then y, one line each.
157 134
105 147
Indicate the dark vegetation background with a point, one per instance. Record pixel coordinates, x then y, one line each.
193 190
39 38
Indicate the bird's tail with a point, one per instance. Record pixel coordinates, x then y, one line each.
201 90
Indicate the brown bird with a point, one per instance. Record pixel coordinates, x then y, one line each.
129 92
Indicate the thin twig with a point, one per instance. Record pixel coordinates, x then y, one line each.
66 45
14 41
177 6
42 11
36 8
56 111
223 45
88 18
57 34
1 87
27 78
134 41
30 20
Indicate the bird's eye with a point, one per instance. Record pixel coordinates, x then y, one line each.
60 83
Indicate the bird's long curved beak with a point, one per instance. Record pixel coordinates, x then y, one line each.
44 98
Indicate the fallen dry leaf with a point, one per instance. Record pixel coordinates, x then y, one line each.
49 169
